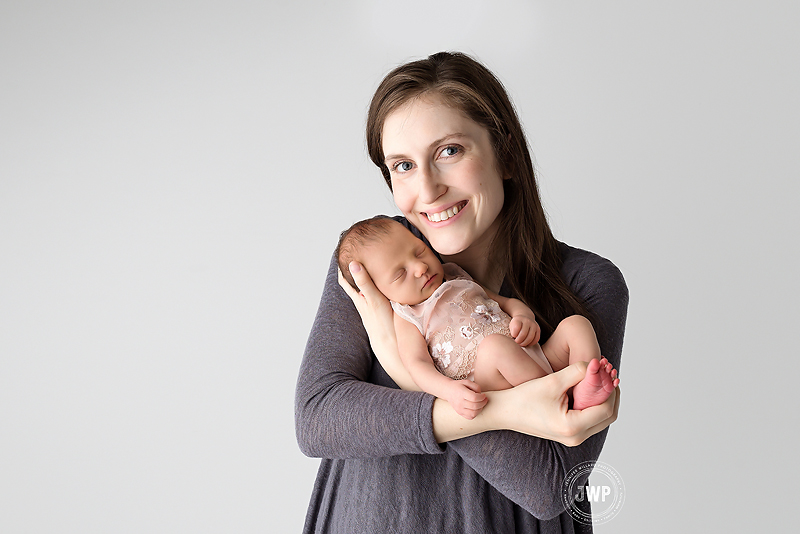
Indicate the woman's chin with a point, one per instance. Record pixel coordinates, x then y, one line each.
447 248
446 241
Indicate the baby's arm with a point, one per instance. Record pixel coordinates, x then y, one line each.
524 328
463 395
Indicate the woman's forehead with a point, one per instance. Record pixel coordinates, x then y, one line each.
422 122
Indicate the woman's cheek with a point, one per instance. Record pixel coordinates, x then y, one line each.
402 199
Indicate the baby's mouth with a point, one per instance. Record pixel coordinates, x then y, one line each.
429 281
446 214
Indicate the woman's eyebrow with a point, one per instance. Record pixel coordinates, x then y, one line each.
433 144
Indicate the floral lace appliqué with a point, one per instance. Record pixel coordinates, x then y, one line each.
441 352
466 331
485 315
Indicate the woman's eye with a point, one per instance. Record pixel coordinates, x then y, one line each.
450 151
402 166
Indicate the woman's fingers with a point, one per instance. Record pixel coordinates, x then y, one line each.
365 283
350 290
369 300
570 375
594 419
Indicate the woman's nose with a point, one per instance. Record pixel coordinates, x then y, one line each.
430 187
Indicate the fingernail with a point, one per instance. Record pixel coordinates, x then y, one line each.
354 267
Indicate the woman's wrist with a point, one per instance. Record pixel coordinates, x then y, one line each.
496 411
448 425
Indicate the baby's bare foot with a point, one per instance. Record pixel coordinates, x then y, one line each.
596 386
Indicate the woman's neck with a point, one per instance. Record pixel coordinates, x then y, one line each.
479 269
475 261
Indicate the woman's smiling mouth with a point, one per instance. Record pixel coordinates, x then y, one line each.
445 214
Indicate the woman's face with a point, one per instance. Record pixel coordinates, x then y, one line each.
444 175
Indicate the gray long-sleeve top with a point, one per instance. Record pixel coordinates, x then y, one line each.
382 470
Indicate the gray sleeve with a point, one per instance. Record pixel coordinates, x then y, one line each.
528 470
339 413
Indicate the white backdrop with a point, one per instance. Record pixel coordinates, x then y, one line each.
173 176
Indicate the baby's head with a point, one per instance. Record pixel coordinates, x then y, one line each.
401 266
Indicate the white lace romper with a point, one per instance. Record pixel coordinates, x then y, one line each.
455 319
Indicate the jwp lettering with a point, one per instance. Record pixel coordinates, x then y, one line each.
593 493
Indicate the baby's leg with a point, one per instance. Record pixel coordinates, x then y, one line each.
574 340
501 363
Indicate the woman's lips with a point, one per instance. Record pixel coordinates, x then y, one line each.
443 215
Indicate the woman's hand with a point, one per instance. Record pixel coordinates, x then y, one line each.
374 308
378 318
552 419
538 407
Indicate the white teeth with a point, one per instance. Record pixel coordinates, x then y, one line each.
444 215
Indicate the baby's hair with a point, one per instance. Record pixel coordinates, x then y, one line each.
359 235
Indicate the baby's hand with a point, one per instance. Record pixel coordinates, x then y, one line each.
525 330
466 398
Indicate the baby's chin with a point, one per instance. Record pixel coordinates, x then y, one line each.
436 284
406 303
388 295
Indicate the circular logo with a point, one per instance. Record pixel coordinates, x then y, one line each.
605 492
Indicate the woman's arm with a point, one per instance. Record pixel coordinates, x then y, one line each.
338 412
510 410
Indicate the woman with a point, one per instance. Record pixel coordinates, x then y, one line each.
448 142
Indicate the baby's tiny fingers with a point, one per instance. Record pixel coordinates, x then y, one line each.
469 384
528 339
522 335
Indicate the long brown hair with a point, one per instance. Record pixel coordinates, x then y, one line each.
523 248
